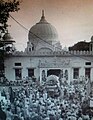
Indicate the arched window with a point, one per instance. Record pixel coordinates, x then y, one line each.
29 49
66 74
32 46
43 75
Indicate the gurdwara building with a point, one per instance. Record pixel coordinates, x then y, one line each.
44 57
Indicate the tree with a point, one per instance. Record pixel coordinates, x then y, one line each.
6 7
80 46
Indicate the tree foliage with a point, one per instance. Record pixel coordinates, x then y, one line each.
5 8
80 46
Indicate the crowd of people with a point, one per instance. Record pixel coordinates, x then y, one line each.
34 102
5 82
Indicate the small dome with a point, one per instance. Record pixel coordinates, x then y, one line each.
7 37
43 30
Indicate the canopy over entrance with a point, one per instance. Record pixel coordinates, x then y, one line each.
52 80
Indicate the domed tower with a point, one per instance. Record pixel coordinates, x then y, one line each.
41 35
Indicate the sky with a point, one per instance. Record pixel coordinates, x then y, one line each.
73 20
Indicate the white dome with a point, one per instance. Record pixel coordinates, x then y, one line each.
43 30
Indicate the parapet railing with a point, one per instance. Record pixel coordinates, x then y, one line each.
52 53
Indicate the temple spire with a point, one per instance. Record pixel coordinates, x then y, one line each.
43 17
43 13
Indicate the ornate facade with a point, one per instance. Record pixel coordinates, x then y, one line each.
44 57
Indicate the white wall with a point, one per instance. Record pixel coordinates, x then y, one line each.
32 62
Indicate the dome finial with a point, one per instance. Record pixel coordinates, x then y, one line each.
43 13
43 17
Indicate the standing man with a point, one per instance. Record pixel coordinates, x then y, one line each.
2 114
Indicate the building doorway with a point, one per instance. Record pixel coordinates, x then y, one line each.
53 72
